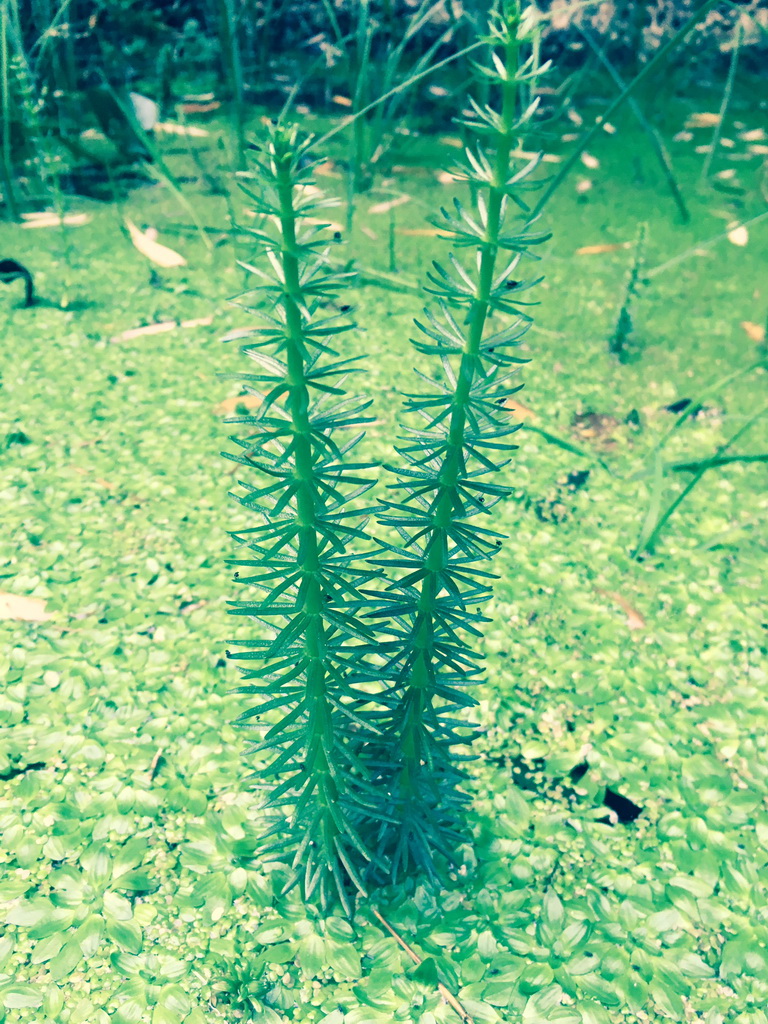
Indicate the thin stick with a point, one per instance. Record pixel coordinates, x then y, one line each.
347 121
447 995
724 104
702 245
653 136
649 68
648 543
7 160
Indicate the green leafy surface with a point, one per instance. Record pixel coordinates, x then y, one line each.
128 890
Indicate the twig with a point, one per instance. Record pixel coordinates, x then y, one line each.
651 66
153 768
703 245
724 104
447 995
653 135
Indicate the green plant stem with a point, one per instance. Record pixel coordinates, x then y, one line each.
654 138
234 74
725 103
7 158
649 542
319 741
418 685
706 244
649 68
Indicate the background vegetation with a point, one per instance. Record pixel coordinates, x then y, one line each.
615 869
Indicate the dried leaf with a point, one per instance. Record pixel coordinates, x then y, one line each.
758 149
327 169
634 618
161 328
755 332
171 128
438 90
342 101
547 158
705 119
23 609
726 174
446 178
452 140
574 117
727 143
367 231
569 137
590 161
53 220
682 137
753 135
595 250
154 251
738 235
330 225
609 128
388 205
425 232
520 411
236 403
583 185
199 106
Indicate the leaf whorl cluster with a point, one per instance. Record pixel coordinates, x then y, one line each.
311 673
455 449
366 658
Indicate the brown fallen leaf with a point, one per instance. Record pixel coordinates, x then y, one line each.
367 231
23 609
191 130
161 328
634 618
388 205
438 90
327 169
154 251
590 161
683 136
520 411
753 135
595 250
425 232
199 105
705 119
242 404
49 219
547 158
755 332
569 137
738 235
574 117
342 101
321 222
758 149
82 471
451 140
583 185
